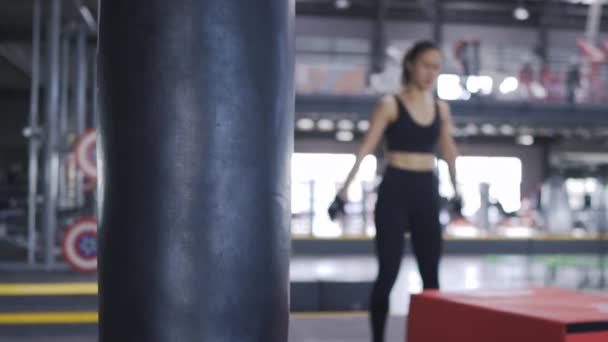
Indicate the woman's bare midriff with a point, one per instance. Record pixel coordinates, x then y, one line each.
411 161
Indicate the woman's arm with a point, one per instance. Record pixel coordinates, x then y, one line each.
385 110
447 146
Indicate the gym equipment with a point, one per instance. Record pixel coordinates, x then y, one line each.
53 182
85 150
484 196
80 245
555 205
195 137
507 315
51 151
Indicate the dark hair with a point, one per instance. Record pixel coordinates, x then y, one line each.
412 55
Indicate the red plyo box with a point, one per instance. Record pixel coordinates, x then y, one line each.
508 315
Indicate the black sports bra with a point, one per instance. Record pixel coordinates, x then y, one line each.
405 135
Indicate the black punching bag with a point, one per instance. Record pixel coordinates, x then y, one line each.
195 139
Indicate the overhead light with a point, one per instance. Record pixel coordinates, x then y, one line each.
471 129
344 136
458 131
488 129
342 4
481 84
305 124
521 13
346 125
526 140
325 125
509 85
449 88
363 125
472 85
507 130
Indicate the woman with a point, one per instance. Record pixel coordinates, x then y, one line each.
413 124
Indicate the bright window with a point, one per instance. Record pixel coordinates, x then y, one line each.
503 174
321 175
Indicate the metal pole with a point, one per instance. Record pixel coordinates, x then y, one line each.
437 22
81 100
378 38
601 231
593 22
195 140
311 203
95 111
364 205
64 82
34 144
51 157
543 31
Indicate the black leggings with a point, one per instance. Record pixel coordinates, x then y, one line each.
406 200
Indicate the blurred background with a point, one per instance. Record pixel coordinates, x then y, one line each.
527 82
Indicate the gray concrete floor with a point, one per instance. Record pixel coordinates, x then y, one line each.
457 273
342 329
349 328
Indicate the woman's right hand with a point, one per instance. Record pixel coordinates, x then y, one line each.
336 208
386 110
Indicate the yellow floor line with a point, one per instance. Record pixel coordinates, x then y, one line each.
329 314
48 318
91 317
48 289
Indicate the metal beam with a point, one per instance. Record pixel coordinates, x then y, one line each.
17 58
438 22
51 156
24 36
428 6
479 111
34 136
378 39
476 6
356 10
15 34
86 16
80 103
433 9
543 31
594 18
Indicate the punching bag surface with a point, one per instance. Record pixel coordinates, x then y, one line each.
195 139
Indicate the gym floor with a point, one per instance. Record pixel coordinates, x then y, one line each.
457 273
351 328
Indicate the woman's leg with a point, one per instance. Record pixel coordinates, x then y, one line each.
426 235
389 243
